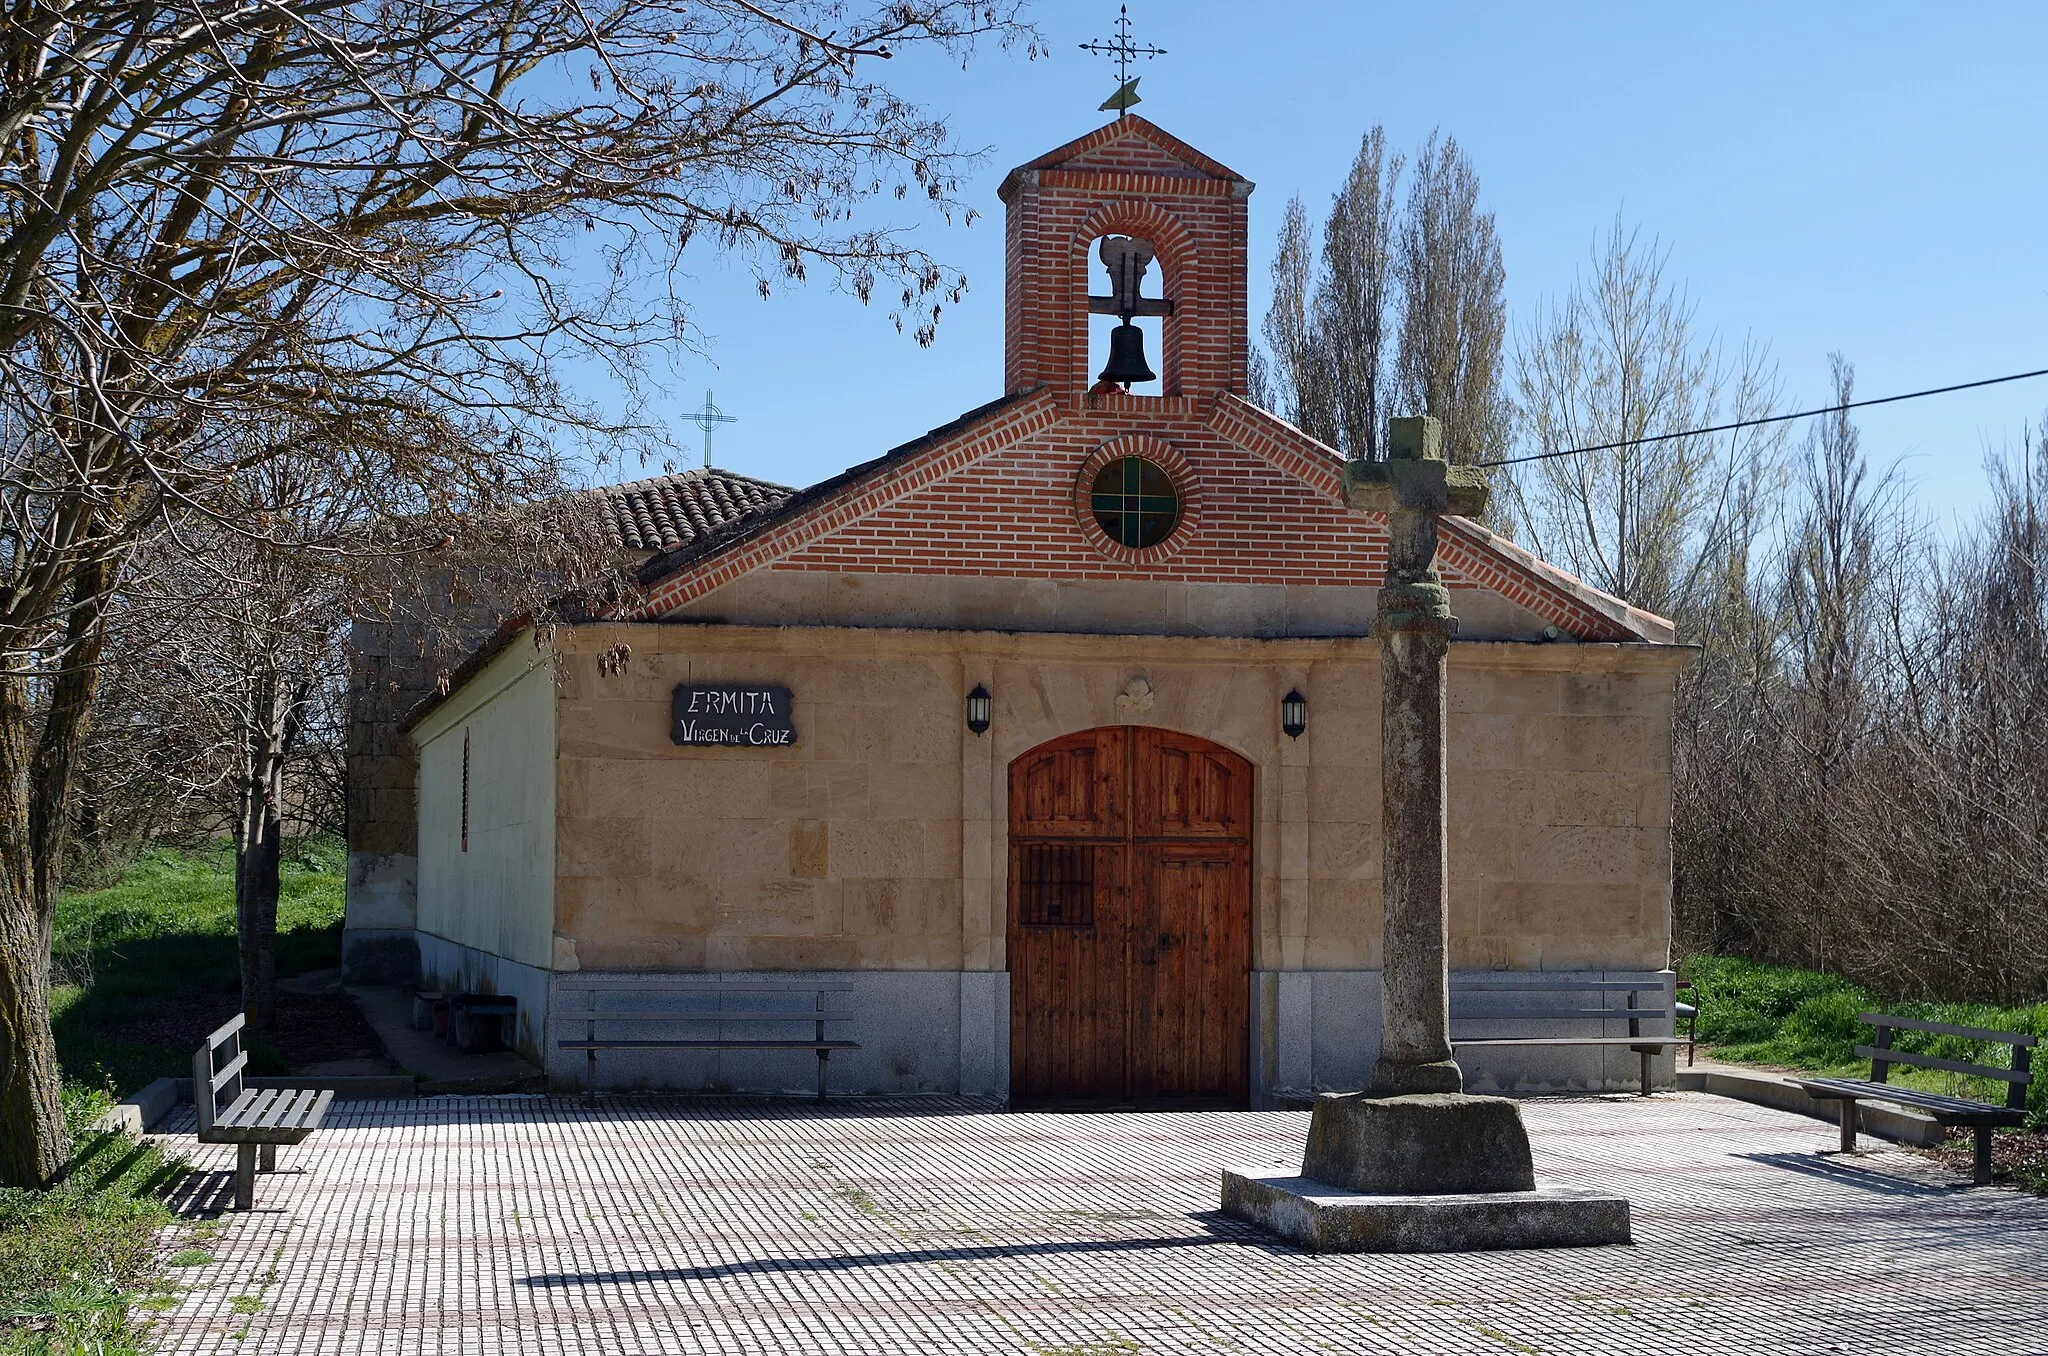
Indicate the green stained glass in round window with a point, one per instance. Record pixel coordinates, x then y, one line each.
1135 502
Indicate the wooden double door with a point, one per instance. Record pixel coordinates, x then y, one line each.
1130 920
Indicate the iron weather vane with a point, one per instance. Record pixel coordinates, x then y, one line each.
1122 50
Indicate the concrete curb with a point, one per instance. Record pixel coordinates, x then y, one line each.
1780 1092
136 1114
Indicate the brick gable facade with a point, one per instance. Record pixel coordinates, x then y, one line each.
1002 494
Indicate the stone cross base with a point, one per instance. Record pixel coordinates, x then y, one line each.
1323 1218
1429 1172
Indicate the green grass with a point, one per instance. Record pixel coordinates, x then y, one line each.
1800 1019
156 944
162 940
74 1260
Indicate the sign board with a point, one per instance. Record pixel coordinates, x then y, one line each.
746 714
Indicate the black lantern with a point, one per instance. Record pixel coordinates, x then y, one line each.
977 709
1293 713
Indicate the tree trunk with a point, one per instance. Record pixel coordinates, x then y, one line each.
256 890
34 804
33 1148
259 848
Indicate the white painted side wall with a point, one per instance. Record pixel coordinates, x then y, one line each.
499 895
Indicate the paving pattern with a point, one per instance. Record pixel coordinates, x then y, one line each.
530 1224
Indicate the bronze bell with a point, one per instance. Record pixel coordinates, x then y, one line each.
1127 356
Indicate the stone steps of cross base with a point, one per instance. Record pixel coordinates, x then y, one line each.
1766 1088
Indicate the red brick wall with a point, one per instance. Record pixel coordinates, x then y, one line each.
1014 514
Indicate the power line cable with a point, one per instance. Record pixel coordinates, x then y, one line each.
1766 419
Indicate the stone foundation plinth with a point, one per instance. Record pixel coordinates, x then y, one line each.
1424 1144
1323 1218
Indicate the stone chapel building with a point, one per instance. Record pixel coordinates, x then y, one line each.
1053 732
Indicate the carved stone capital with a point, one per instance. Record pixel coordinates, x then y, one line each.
1423 607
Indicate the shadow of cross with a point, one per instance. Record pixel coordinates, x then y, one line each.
1414 488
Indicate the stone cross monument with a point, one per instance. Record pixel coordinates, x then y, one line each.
1414 487
1413 1164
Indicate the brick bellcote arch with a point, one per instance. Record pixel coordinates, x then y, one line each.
1178 279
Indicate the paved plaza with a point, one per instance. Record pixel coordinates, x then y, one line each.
531 1224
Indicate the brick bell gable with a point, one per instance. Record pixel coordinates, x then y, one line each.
1002 492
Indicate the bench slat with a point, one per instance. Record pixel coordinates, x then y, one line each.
227 1071
702 986
1954 1066
1956 1110
1977 1033
284 1110
1553 986
706 1045
272 1116
249 1109
227 1029
674 1015
1539 1014
311 1120
304 1105
1661 1042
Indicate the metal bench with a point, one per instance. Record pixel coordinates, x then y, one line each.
645 995
1594 991
1981 1117
1689 1013
248 1118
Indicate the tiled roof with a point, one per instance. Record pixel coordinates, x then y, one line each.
673 511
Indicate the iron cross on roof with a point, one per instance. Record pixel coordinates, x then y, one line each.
1123 51
709 418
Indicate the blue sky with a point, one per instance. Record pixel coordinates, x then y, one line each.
1869 177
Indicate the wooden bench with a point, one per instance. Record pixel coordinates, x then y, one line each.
1981 1117
1586 991
248 1118
636 1003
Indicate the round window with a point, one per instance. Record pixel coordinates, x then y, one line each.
1135 503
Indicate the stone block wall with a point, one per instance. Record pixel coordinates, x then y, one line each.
879 840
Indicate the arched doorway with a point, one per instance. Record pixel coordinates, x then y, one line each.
1130 920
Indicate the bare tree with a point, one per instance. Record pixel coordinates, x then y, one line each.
1859 781
396 224
1618 362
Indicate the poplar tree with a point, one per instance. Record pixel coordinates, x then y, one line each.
1402 309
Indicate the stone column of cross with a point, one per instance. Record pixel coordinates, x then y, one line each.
1414 487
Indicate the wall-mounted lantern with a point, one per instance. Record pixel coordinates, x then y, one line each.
977 709
1293 714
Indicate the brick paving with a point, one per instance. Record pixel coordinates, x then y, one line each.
529 1224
